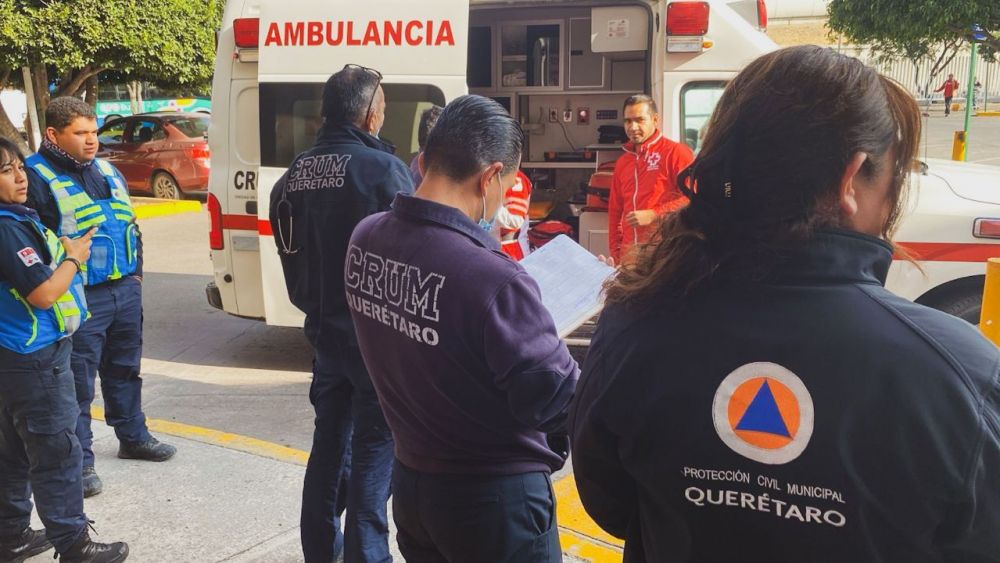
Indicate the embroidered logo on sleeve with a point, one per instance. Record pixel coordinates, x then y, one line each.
28 256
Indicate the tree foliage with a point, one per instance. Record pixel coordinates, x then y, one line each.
916 28
69 43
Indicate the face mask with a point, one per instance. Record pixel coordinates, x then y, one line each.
488 225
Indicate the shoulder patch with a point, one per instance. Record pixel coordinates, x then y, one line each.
28 256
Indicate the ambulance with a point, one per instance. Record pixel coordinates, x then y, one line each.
563 70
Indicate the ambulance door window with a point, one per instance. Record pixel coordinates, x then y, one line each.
698 100
290 118
405 103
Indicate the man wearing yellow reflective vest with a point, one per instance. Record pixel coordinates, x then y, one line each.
73 191
42 303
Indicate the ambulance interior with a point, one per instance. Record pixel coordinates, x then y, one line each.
563 72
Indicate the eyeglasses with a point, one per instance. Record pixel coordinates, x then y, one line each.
378 82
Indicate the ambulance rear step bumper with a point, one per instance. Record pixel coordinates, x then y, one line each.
213 295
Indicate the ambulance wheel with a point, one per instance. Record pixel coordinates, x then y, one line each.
963 298
165 187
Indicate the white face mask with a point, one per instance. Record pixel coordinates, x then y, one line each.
488 225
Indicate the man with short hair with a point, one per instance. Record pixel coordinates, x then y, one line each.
644 186
73 191
465 358
348 175
948 88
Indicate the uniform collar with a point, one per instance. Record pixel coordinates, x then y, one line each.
348 133
653 139
837 255
62 159
19 210
419 209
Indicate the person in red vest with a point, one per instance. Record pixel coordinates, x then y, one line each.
644 188
513 215
948 88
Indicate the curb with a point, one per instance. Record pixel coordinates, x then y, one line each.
579 536
988 114
146 210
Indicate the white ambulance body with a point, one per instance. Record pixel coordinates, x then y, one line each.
562 68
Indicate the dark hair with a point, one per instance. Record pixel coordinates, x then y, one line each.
471 133
427 120
637 99
766 179
9 152
62 111
348 95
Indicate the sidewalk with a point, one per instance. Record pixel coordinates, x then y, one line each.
207 504
233 498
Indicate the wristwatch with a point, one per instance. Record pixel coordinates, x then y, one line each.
79 267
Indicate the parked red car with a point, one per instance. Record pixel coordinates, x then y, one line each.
165 154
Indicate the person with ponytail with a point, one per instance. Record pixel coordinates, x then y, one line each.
805 412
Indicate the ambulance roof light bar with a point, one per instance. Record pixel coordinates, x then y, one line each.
687 24
246 31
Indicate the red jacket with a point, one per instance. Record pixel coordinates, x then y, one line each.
653 167
949 88
516 202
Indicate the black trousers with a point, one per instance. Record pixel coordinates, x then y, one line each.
474 518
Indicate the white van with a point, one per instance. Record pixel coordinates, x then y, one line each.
562 67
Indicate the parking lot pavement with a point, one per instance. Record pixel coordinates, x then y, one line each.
939 131
226 497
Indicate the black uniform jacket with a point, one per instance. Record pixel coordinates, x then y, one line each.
329 189
810 417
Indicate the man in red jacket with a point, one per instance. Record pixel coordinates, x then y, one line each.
948 88
644 188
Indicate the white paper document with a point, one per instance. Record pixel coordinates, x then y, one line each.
571 279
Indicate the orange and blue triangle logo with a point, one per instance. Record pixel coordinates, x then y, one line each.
763 412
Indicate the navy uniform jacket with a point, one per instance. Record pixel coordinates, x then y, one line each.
41 199
24 256
466 361
811 417
347 176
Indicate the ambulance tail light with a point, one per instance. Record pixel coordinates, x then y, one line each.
986 228
247 32
215 218
762 14
687 18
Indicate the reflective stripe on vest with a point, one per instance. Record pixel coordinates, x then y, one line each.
79 213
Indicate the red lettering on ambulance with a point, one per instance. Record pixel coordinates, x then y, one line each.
315 36
352 41
273 35
445 34
294 33
410 38
394 33
371 35
329 34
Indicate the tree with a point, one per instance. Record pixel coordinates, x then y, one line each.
12 43
916 29
69 43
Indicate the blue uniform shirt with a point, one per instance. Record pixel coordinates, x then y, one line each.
465 359
24 257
